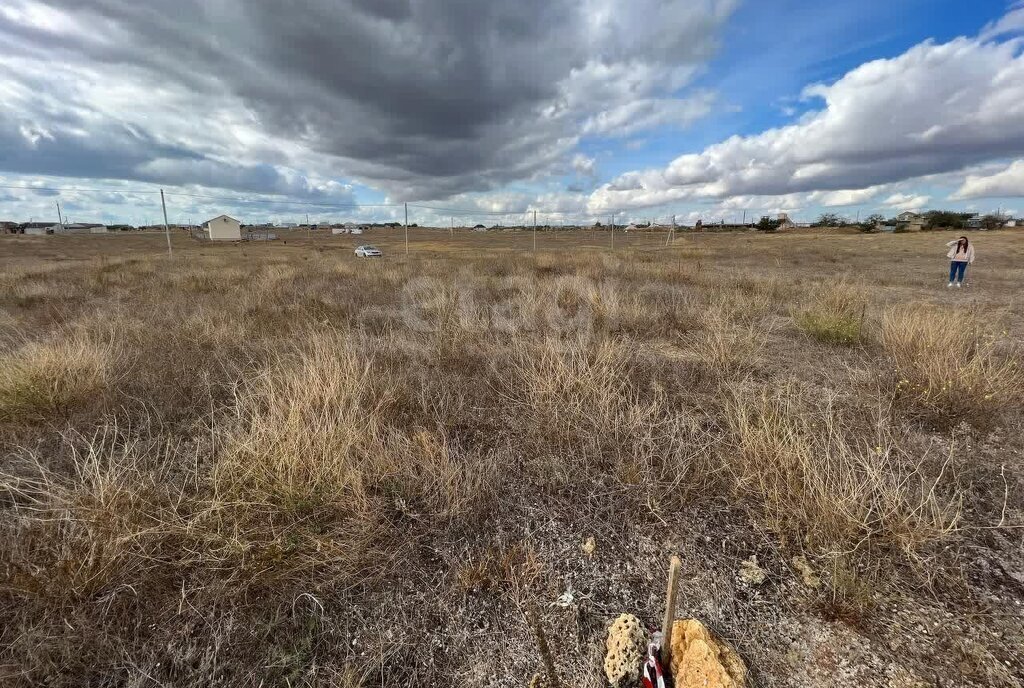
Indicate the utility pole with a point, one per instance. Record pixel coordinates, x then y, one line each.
671 232
611 226
406 229
534 230
451 231
167 229
744 217
60 218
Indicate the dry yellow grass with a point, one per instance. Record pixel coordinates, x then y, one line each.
310 468
45 380
951 365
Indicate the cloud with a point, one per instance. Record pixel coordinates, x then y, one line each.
1010 23
901 201
419 98
936 108
584 166
1005 183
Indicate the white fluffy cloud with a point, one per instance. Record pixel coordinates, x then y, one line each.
936 108
902 201
1007 182
584 166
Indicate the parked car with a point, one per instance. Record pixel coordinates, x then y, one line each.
368 252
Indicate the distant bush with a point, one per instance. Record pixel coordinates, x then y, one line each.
870 224
829 220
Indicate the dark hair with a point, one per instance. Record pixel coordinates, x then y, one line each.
963 240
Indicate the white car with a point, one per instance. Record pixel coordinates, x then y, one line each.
368 252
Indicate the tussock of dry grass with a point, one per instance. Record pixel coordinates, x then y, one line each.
836 316
812 479
50 378
950 366
322 429
588 410
726 347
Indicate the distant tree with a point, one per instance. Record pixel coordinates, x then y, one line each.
829 220
871 222
945 218
597 225
768 224
414 225
479 227
991 221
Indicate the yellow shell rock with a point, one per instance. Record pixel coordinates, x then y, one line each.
699 659
625 651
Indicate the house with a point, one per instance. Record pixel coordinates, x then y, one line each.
38 228
973 222
908 221
223 228
8 227
80 228
1012 223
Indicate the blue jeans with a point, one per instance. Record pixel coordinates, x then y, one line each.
956 270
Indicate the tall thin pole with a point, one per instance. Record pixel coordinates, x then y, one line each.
406 229
60 218
451 230
744 218
534 230
611 226
167 229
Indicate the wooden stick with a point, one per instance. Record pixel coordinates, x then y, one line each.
542 644
670 612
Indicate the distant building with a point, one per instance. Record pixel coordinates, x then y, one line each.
223 228
907 216
80 228
38 228
1012 223
784 221
973 222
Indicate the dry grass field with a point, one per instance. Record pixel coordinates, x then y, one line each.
275 464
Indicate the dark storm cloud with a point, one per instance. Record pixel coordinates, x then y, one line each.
423 98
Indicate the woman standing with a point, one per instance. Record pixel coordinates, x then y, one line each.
962 254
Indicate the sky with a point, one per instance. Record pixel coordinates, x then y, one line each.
580 110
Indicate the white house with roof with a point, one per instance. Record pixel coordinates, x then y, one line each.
223 228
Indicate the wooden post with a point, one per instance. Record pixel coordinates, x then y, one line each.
542 645
670 612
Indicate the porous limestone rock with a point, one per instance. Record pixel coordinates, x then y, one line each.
807 573
751 572
539 681
625 651
700 660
